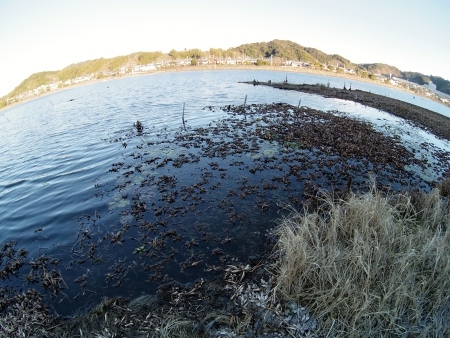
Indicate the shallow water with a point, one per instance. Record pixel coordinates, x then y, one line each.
57 152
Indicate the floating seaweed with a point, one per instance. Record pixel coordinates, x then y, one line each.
195 203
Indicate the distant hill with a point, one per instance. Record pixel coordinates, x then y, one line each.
289 50
34 81
441 84
281 49
292 51
83 69
381 68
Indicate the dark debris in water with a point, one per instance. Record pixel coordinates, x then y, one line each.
197 203
437 123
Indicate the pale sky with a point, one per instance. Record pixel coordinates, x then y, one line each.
45 35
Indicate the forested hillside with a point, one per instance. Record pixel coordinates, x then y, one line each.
279 49
289 50
83 69
441 84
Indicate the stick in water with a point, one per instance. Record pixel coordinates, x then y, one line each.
182 117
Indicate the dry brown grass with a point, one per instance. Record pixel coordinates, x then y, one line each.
445 187
370 266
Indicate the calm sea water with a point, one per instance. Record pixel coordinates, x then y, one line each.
56 150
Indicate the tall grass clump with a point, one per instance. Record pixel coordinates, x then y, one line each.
371 265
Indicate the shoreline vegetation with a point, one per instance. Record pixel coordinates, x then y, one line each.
370 265
364 265
218 68
360 261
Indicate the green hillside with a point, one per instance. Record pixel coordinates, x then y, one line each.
381 68
280 50
288 50
441 84
34 81
277 48
85 68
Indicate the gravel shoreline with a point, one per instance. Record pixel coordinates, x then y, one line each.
434 122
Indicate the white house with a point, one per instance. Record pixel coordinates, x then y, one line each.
431 86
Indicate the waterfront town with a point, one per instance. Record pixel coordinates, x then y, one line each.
428 90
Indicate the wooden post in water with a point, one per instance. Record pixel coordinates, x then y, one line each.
245 101
299 103
182 117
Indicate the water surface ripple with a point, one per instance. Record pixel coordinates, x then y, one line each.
56 149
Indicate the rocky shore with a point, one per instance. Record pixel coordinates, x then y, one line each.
436 123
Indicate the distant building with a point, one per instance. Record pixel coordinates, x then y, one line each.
431 86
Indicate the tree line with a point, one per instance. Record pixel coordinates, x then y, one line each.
278 49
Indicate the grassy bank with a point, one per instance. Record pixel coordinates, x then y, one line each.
370 265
